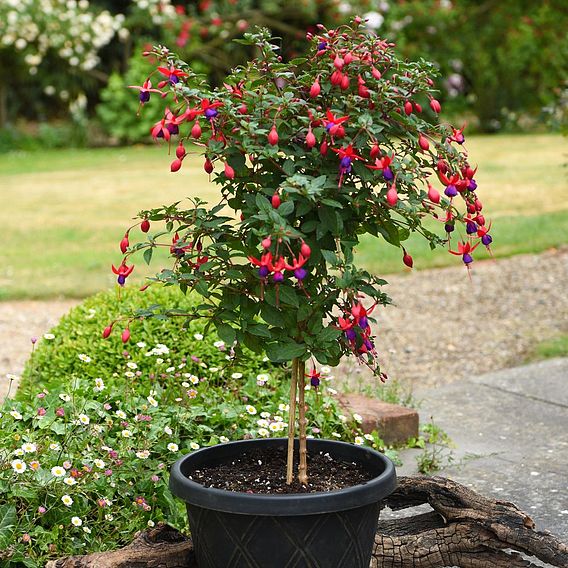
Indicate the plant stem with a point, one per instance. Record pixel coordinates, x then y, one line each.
292 422
303 467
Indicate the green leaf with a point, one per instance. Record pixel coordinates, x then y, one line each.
8 520
288 296
289 167
148 255
226 333
280 352
286 208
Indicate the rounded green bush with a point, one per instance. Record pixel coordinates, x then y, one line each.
56 361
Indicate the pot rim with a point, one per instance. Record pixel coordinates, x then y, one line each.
290 504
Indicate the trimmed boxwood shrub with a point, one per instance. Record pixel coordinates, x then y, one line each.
56 362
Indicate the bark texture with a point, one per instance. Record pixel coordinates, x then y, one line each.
464 529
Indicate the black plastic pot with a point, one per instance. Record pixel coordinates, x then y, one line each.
333 529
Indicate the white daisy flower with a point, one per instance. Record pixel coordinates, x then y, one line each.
262 423
359 440
70 481
120 414
58 471
214 369
172 447
219 344
99 385
84 358
168 430
342 418
263 432
66 500
84 419
265 414
194 446
151 523
185 384
152 401
275 427
159 360
19 452
170 369
237 376
223 439
262 379
64 397
54 446
76 521
194 380
132 365
325 370
129 374
336 435
143 454
126 434
141 344
48 336
250 409
87 530
19 466
278 418
109 517
198 336
99 463
369 437
283 407
357 417
15 415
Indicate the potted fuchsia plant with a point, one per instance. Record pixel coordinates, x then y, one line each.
309 156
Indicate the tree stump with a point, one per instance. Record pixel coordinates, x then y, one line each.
464 529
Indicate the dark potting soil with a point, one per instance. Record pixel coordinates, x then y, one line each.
264 472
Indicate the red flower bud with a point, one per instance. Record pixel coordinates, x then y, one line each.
376 73
433 194
336 78
276 201
423 142
338 63
196 130
305 250
175 165
107 331
478 205
273 137
310 139
375 151
208 165
480 220
323 148
125 335
266 242
229 171
145 226
180 151
364 92
348 58
435 106
408 108
124 244
392 196
243 109
344 83
315 89
407 259
417 107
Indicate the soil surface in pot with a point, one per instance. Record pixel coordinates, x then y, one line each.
264 471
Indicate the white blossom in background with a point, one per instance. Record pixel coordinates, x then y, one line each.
374 20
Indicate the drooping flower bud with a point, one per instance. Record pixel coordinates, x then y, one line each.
229 171
310 139
273 136
305 250
407 259
145 226
433 194
124 244
315 89
180 151
423 142
276 201
392 196
107 331
175 165
196 130
435 106
266 242
125 335
208 165
408 108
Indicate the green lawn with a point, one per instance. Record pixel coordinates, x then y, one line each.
64 212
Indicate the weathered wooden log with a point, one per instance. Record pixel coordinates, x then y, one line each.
464 529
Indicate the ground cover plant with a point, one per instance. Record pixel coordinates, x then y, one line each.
86 446
53 186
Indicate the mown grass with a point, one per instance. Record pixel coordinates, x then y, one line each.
554 347
63 212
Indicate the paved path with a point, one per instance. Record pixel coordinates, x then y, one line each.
511 434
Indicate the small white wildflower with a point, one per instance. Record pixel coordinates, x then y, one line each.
54 446
359 440
109 517
152 401
194 445
58 471
170 369
69 481
151 523
126 434
159 360
236 376
278 418
132 365
141 344
283 407
336 435
28 447
265 414
143 454
99 463
194 380
19 452
331 391
64 397
76 521
262 423
168 430
178 399
325 370
342 418
263 432
357 417
275 427
48 336
223 439
219 344
369 437
214 369
87 530
129 374
262 379
250 409
99 385
198 336
172 447
84 358
120 414
19 466
15 415
84 419
66 500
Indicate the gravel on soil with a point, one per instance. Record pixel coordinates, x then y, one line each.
442 327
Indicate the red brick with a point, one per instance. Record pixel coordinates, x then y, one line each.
395 424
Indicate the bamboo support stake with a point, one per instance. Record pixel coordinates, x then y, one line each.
292 422
303 467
